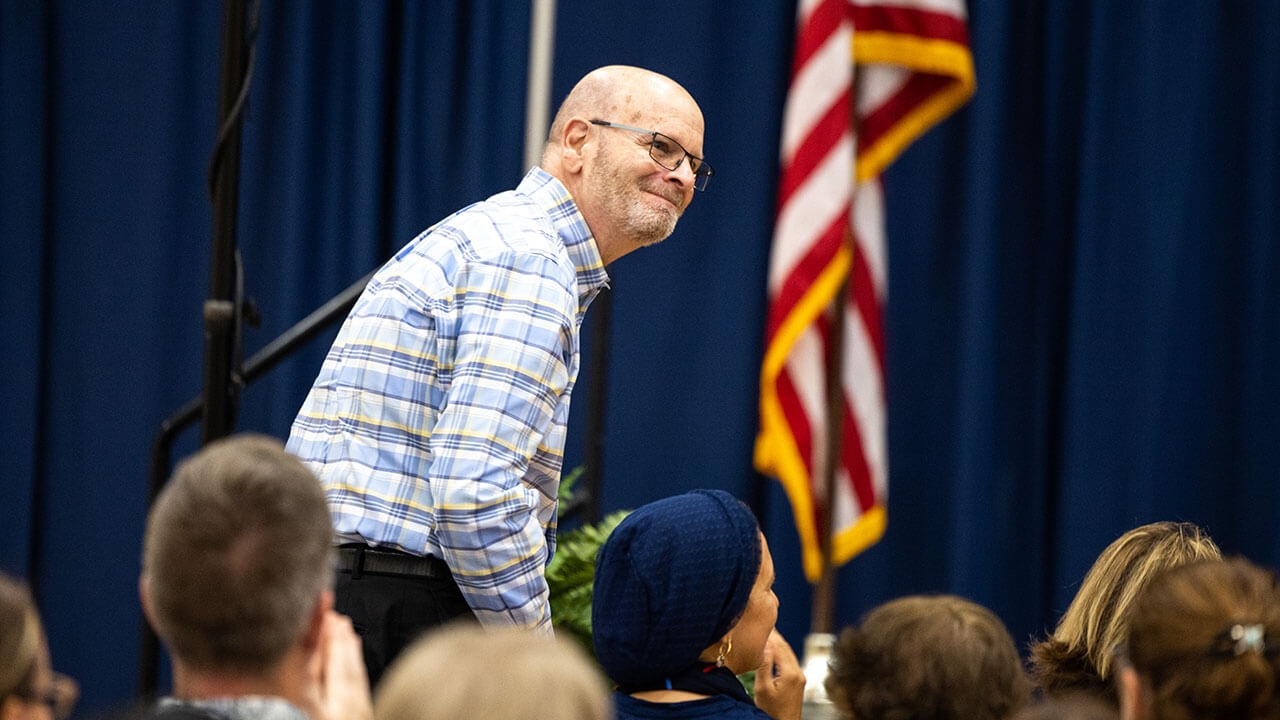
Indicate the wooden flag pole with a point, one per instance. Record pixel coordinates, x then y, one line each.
824 595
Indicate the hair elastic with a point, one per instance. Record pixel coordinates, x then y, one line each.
1248 638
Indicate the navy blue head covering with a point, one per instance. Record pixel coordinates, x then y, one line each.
672 579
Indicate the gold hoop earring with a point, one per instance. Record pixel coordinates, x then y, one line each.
726 647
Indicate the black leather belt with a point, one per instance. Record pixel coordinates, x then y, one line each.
359 559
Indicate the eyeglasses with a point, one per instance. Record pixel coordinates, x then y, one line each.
668 153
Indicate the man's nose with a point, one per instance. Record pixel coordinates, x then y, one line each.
684 173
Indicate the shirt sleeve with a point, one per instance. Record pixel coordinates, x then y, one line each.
511 366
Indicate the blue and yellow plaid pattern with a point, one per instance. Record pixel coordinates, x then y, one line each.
437 422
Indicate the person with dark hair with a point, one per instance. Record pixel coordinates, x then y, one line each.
927 658
682 602
1071 706
29 688
236 573
438 420
1204 644
1077 657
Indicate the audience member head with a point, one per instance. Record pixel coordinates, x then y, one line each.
1078 656
236 562
682 580
29 689
940 658
1204 644
466 671
1070 706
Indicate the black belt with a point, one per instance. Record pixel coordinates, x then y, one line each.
359 559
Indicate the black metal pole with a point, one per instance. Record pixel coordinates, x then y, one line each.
161 448
220 311
593 461
161 451
216 406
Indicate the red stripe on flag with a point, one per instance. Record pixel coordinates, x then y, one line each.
822 251
910 21
855 462
797 420
913 92
852 457
835 124
825 20
863 301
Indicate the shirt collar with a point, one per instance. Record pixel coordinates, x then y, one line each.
260 707
545 190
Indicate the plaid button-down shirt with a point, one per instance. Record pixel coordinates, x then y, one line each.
437 422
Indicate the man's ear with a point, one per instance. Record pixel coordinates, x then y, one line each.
573 144
144 596
315 624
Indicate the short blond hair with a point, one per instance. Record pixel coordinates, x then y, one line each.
238 549
1078 656
466 671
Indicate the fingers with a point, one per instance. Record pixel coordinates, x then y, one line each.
782 652
786 665
769 659
780 680
344 682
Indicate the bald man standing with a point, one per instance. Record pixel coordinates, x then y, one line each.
437 423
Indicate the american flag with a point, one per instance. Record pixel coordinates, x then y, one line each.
868 78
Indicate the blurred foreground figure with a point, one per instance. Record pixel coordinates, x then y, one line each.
1077 706
1204 644
236 574
928 658
1078 656
464 671
29 688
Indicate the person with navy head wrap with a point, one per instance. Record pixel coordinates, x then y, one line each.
683 602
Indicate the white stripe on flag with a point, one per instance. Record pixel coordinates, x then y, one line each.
814 206
813 93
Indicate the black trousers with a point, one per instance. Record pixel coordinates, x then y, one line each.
389 612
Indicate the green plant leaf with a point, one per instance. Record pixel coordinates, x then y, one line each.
571 573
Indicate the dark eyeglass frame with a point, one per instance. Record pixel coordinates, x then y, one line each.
702 171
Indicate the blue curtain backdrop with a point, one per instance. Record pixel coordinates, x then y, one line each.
1084 312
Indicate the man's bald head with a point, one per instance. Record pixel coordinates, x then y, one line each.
600 149
619 93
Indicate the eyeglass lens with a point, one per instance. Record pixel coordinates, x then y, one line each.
668 153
